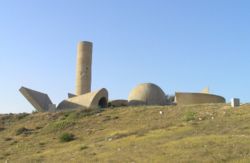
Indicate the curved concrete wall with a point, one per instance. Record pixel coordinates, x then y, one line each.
98 99
182 98
83 67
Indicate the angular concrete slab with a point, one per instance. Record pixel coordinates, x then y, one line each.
98 99
40 101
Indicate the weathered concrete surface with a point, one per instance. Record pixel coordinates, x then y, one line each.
40 101
83 67
67 105
147 94
52 107
98 99
118 103
182 98
235 102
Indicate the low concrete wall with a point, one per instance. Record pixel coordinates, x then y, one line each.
182 98
118 103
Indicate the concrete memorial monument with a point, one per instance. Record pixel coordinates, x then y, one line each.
143 94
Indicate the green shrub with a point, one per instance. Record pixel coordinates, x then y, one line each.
7 139
189 116
42 143
38 127
83 147
62 124
66 137
23 130
77 114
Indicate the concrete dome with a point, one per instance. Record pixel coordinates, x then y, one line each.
147 94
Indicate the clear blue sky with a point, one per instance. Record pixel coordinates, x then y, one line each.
180 45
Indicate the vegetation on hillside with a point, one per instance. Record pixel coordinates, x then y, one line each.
193 133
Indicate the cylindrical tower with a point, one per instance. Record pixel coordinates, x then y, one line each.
83 67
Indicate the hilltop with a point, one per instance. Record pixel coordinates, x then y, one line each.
192 133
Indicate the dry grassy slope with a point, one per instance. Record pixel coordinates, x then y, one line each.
193 133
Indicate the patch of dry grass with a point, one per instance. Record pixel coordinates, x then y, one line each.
193 133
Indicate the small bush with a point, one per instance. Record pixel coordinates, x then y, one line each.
89 112
66 137
61 124
38 127
6 154
190 116
42 143
23 130
7 139
83 147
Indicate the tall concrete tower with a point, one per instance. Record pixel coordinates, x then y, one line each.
83 67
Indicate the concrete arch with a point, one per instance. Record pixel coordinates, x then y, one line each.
97 99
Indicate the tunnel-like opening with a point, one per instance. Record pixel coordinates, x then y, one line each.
103 102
